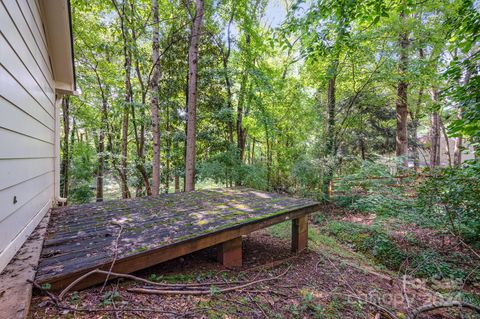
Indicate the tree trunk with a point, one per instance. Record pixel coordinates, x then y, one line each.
447 143
66 150
415 124
154 102
434 133
192 97
401 104
128 102
414 116
241 134
457 155
330 148
228 82
177 183
101 151
169 150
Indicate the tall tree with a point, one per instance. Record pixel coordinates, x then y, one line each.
121 11
154 102
434 131
402 89
190 152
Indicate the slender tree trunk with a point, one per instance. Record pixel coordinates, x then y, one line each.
241 134
414 116
401 104
169 149
177 183
252 155
66 150
154 102
415 124
457 154
362 148
228 81
128 102
101 150
192 97
330 147
447 143
434 133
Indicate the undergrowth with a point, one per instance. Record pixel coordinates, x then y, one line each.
376 243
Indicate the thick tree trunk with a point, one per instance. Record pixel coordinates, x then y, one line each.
192 98
401 104
154 102
434 133
66 150
241 134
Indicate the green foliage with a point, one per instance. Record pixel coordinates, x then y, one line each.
371 188
426 263
453 199
82 173
369 240
226 168
110 297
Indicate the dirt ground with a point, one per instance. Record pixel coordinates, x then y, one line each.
318 283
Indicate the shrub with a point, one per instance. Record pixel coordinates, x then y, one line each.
371 241
453 199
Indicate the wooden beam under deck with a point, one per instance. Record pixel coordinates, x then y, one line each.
228 237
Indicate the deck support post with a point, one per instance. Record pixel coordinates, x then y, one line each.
230 252
299 233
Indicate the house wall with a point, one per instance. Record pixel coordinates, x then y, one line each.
27 124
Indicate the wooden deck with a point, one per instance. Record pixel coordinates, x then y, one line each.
151 230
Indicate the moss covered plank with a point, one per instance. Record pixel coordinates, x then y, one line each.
80 238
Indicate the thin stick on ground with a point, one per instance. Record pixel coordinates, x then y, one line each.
258 306
57 303
139 279
451 304
115 254
204 292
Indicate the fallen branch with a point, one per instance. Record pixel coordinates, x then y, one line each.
115 254
57 303
203 292
258 306
451 304
149 282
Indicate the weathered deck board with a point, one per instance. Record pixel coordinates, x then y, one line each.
81 238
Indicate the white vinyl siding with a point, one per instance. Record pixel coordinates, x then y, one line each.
27 124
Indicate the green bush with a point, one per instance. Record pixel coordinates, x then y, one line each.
453 199
82 173
375 243
381 195
371 241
